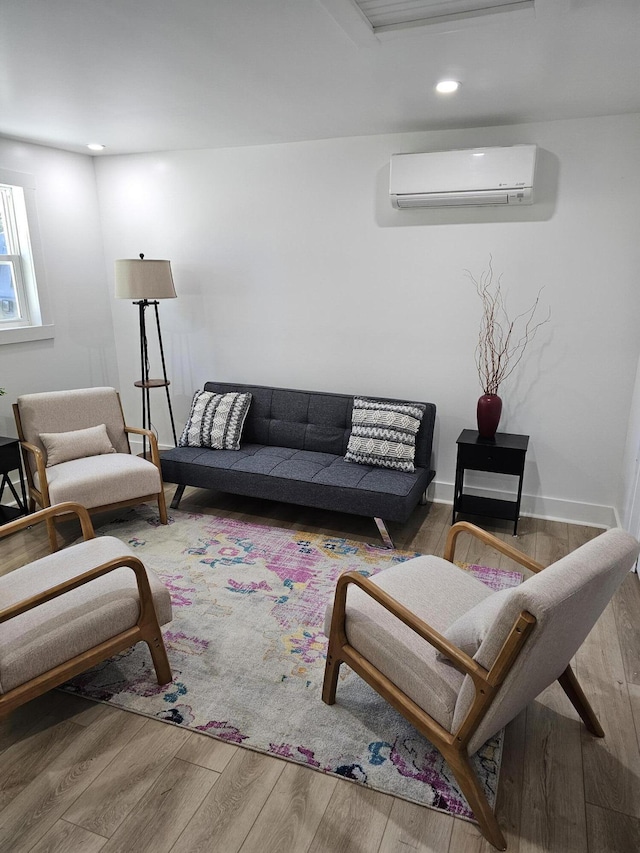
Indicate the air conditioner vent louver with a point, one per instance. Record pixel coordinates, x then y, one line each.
453 200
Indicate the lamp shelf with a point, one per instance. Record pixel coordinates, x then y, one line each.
152 383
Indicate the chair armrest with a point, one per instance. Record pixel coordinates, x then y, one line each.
144 589
153 442
488 539
458 658
41 468
50 512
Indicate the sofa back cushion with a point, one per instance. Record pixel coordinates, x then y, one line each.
310 420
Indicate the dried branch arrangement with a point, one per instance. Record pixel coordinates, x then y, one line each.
501 341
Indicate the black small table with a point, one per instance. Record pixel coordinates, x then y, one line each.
504 454
10 461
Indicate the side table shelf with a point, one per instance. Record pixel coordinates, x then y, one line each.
504 454
10 461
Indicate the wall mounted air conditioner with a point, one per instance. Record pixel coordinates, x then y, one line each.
471 177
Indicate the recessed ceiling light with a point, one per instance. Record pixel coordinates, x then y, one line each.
95 146
446 87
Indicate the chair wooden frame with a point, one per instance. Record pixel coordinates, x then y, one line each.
452 745
147 628
41 497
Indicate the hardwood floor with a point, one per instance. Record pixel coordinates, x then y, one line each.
79 777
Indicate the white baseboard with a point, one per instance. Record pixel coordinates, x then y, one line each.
538 506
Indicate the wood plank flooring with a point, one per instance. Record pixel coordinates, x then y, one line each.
79 777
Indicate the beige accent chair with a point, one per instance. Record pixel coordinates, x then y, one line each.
77 465
68 611
460 661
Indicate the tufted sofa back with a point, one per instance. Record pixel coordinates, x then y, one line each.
310 420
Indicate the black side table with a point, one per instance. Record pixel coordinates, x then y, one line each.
10 461
504 454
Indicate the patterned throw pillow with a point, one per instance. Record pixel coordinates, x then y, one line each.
216 420
384 434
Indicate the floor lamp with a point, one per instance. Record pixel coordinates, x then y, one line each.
145 282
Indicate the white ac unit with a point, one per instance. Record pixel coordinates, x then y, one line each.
470 177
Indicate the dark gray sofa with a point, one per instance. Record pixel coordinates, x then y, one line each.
292 450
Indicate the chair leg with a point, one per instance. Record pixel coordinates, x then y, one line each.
471 788
331 673
571 687
162 508
159 657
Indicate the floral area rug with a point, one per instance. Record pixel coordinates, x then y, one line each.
247 651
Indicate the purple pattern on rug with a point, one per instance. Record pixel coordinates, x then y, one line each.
223 730
181 596
497 579
298 753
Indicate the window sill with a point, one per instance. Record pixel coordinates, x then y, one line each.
26 333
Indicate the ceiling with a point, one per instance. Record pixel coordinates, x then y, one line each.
149 75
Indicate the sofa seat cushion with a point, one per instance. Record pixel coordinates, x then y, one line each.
120 476
52 633
305 477
310 466
435 591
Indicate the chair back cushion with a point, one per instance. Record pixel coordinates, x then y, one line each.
566 600
63 411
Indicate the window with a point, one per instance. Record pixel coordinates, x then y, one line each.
21 295
14 306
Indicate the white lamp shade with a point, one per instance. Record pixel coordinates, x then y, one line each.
144 279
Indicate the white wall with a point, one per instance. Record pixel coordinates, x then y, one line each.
292 269
82 353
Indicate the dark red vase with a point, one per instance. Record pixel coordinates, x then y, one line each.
489 411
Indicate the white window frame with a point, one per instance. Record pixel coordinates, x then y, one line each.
35 322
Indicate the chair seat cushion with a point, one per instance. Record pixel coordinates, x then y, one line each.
437 592
101 480
52 633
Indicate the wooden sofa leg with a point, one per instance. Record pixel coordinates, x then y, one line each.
471 788
571 687
384 533
177 497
